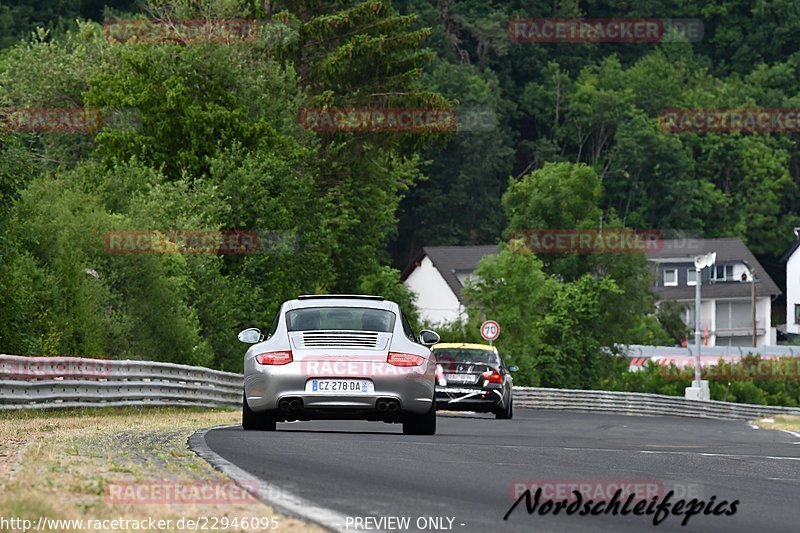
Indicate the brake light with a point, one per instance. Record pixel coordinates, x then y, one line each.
404 359
275 358
493 377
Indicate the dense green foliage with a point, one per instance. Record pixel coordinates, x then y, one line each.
599 104
742 383
562 314
198 136
206 136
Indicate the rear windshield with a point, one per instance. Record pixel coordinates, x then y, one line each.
344 318
465 355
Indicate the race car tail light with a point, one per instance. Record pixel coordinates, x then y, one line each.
493 377
404 359
275 358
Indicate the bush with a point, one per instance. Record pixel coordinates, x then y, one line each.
746 383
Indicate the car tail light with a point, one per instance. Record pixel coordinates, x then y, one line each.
493 377
275 358
404 359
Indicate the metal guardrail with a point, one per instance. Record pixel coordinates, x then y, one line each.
642 350
635 403
47 382
52 382
682 356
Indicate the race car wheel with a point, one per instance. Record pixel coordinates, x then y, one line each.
507 412
421 424
256 421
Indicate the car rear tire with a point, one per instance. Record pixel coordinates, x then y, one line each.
421 424
252 421
506 413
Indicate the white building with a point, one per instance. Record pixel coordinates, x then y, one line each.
436 276
792 259
438 273
726 306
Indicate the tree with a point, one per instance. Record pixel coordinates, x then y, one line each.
241 163
361 54
512 289
473 163
577 346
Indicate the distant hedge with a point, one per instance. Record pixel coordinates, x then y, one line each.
751 380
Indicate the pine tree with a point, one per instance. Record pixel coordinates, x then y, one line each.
361 54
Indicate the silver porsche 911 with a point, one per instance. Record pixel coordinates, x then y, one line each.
339 357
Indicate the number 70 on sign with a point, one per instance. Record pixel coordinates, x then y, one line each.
490 330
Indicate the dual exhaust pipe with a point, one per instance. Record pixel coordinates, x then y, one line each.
387 405
383 405
290 404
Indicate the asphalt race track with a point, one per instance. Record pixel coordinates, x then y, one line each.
468 470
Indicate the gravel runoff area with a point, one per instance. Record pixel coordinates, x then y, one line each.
105 464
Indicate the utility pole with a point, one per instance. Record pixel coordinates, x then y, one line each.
697 370
699 388
752 273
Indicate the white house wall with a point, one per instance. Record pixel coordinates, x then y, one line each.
436 301
708 315
792 291
764 313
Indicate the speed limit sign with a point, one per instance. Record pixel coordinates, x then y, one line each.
490 330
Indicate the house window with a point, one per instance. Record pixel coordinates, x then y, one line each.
734 315
723 273
691 277
670 277
797 313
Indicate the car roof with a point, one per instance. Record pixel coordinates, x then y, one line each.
339 300
465 345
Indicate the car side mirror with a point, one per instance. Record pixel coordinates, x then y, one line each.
513 368
428 337
250 335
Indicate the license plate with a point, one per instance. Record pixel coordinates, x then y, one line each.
340 385
460 378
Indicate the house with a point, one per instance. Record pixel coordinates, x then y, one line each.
792 259
436 276
726 304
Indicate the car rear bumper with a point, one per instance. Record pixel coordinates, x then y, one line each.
265 387
468 398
